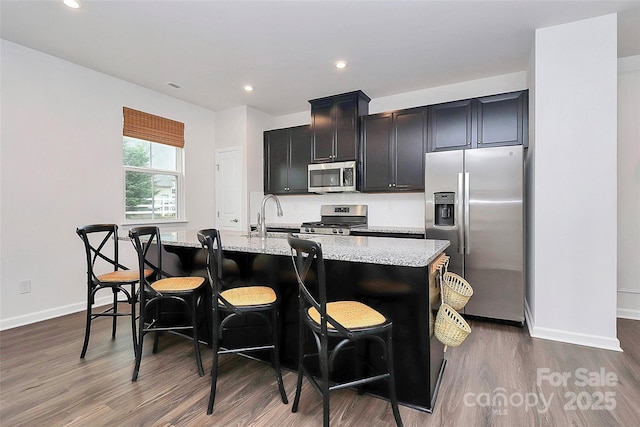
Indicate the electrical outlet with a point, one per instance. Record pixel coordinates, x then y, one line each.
25 286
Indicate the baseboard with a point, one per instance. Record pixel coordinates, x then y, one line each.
39 316
627 313
528 317
588 340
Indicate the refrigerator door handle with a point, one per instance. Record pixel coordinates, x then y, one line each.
459 215
467 242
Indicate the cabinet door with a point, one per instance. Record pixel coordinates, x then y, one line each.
276 160
346 119
409 149
323 131
300 157
376 142
501 119
450 126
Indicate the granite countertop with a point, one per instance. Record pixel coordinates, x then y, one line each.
368 229
390 229
366 249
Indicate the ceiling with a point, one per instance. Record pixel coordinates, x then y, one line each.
287 49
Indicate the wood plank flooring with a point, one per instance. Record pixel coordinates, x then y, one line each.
498 377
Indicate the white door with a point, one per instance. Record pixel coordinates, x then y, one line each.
229 189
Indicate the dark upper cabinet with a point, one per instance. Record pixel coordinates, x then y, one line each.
335 126
501 119
376 152
393 149
479 122
450 125
287 152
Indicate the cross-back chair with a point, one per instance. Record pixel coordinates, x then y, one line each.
104 272
229 303
342 321
160 288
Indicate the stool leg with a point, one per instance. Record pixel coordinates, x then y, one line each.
132 303
275 355
215 342
324 367
296 399
392 381
194 323
140 341
115 310
156 335
87 329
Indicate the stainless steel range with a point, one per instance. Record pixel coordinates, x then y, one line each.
337 219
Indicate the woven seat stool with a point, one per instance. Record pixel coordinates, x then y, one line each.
101 250
343 321
158 288
232 303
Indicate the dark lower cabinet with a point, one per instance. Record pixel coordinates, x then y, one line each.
287 152
393 149
480 122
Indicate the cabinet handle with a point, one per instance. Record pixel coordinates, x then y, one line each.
234 220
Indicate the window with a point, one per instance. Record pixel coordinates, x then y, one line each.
152 169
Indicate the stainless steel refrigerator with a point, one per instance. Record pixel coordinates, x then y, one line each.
474 198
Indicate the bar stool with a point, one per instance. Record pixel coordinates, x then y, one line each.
159 288
101 249
231 303
348 321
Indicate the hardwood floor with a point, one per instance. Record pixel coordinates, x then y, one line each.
498 377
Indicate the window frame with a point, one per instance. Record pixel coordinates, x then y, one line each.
180 192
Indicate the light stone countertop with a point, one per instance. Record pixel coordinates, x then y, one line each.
373 250
367 229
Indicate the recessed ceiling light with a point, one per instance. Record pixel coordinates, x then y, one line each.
341 64
73 4
248 88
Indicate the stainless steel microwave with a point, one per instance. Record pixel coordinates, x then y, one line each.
332 177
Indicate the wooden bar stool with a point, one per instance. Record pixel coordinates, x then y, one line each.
159 288
101 250
348 321
231 303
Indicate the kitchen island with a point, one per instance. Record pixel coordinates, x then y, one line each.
389 274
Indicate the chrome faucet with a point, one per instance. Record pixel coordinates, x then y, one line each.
262 224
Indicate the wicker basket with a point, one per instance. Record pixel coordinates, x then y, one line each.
438 268
451 329
455 290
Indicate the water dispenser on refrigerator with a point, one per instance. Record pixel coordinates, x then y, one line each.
444 214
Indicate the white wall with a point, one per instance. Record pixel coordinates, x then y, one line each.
575 182
529 194
629 187
61 167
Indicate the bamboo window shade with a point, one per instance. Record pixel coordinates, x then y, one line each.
141 125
